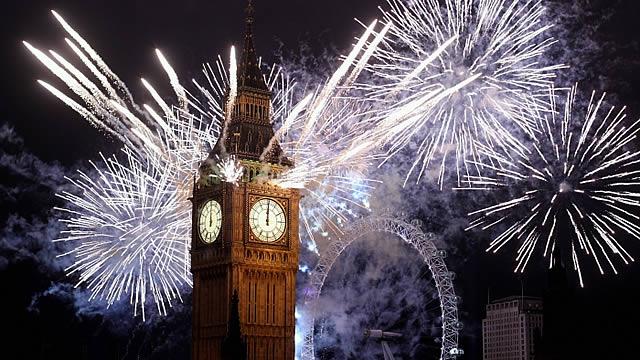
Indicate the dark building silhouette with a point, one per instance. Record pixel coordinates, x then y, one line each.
558 315
234 346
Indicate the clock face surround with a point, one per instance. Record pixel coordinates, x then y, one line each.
210 221
267 220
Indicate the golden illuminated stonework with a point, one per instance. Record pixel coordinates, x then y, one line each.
255 252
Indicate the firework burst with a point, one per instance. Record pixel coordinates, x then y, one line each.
333 138
130 223
574 186
114 219
491 49
331 134
127 222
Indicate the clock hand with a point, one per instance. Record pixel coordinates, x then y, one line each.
268 213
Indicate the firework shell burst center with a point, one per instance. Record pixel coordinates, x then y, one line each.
574 184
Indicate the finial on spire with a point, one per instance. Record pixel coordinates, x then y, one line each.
249 74
249 10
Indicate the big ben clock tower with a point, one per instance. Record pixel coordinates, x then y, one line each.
244 256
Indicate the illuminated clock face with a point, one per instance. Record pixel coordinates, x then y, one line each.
267 220
210 221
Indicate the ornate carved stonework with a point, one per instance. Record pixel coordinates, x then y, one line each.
263 273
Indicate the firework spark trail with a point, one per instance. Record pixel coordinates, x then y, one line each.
175 142
228 170
578 178
95 106
233 84
121 116
130 226
338 81
320 132
499 43
182 138
127 224
333 136
173 78
104 68
317 134
323 133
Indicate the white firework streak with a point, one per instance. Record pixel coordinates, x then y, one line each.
228 169
164 150
334 135
127 223
139 207
577 179
493 48
330 136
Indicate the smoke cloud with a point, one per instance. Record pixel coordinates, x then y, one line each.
46 307
378 283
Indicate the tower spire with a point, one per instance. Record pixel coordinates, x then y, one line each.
249 11
248 134
250 74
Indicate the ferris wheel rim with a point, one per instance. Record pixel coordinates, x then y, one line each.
411 234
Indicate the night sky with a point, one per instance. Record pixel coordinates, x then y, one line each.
41 140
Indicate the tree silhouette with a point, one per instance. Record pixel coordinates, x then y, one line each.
234 346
